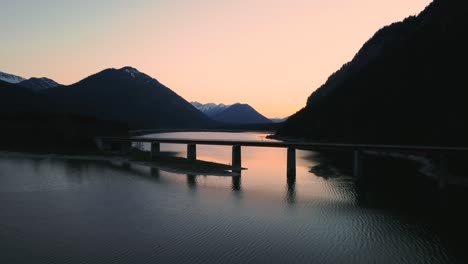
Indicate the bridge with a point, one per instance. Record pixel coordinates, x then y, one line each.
124 144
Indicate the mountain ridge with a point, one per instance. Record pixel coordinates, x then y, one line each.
236 113
11 78
402 87
38 84
128 95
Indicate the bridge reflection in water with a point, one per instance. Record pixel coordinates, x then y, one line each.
123 144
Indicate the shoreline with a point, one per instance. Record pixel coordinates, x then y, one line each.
158 131
165 166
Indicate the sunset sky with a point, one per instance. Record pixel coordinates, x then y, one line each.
270 54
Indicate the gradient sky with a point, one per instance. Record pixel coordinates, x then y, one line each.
270 54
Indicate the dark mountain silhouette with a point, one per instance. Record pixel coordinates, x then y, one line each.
10 78
17 99
34 83
406 85
31 121
38 84
129 96
232 114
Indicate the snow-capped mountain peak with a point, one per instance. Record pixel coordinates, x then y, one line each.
132 71
10 78
210 109
232 114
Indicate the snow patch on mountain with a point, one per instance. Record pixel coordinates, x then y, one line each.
132 71
10 78
38 84
210 109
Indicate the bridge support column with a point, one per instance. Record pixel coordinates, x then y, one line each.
443 171
291 165
191 152
236 158
155 149
357 164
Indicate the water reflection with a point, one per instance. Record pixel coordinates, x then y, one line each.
236 183
155 173
291 189
192 181
126 165
76 170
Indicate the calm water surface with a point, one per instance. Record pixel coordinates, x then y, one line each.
74 211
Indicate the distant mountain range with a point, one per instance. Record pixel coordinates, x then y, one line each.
278 120
232 114
210 109
407 85
39 84
34 83
122 95
10 78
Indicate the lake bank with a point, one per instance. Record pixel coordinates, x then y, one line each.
169 164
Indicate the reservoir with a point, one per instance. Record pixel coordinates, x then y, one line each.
61 210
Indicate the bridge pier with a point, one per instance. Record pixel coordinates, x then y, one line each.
357 164
291 162
155 149
191 152
236 158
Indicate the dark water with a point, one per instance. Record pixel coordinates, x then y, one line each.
74 211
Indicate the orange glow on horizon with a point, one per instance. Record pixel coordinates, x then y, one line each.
269 54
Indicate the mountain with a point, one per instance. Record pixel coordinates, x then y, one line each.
129 96
38 84
278 120
406 85
17 99
241 114
30 122
10 78
210 109
232 114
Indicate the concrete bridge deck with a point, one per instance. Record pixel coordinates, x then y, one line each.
294 144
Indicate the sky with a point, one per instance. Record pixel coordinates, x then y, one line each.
271 54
